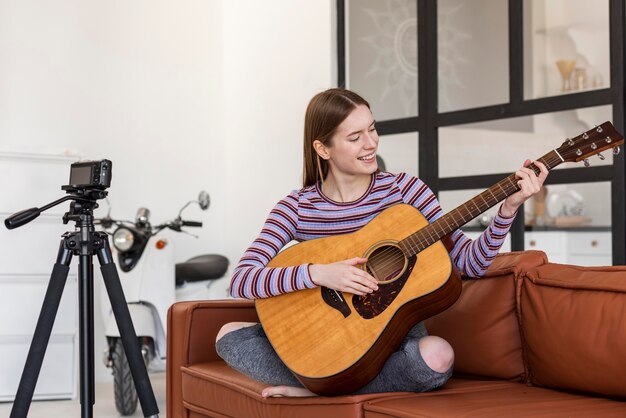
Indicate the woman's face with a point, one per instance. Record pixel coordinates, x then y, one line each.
354 144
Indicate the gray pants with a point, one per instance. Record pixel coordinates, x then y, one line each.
248 350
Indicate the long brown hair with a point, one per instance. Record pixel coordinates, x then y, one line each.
324 114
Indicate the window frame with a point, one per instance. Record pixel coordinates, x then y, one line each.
429 120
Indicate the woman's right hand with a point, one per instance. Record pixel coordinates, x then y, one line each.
344 276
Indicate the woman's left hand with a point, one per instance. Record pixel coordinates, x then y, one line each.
529 184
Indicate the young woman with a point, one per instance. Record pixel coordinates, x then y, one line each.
343 190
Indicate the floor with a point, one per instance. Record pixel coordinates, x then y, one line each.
103 408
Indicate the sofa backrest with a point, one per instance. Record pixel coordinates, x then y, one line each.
574 328
551 325
483 325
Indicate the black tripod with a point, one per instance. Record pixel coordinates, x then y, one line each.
85 242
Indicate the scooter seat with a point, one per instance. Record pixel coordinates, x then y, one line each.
202 267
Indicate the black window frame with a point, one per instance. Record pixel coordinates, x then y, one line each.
429 120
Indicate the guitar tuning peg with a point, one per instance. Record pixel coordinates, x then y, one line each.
600 156
616 150
586 162
599 128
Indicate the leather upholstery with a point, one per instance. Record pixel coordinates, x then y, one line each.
574 326
482 326
571 337
213 387
497 399
191 331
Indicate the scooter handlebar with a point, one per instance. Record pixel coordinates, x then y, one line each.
192 223
107 222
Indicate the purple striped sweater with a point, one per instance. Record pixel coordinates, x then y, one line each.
307 214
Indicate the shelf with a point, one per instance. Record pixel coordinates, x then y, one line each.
549 228
581 26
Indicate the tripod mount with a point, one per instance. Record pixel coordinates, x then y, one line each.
84 242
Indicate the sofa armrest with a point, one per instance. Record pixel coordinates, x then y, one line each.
191 331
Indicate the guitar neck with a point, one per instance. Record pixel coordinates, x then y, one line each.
469 210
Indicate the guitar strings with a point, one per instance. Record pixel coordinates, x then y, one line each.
387 259
422 242
511 187
386 256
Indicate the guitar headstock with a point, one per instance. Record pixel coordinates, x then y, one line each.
590 143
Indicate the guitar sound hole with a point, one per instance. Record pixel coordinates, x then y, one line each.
385 263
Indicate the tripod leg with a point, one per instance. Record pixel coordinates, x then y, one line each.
42 333
85 307
127 331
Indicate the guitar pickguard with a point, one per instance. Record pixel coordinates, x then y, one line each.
373 304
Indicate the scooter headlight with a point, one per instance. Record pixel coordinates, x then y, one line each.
123 239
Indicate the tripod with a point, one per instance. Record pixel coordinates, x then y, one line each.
85 242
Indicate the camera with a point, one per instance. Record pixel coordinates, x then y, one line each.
90 175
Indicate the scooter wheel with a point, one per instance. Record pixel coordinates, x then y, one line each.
123 384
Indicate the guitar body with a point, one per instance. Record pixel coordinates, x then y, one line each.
337 342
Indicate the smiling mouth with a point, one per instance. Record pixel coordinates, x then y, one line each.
368 157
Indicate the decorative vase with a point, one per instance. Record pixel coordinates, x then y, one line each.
565 68
580 77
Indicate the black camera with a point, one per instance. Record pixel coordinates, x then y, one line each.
90 175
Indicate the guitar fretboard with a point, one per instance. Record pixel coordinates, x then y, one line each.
458 217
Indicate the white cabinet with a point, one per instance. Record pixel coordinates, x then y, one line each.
28 255
583 248
553 243
589 248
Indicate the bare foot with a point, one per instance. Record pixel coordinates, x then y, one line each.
291 391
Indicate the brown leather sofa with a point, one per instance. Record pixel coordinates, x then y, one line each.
531 339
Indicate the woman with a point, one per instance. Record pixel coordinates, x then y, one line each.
343 190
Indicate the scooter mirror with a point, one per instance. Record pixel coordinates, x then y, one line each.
204 200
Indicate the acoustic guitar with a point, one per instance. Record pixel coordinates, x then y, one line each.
336 342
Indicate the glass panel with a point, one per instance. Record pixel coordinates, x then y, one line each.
399 153
566 46
564 206
502 146
451 199
381 55
572 225
473 63
574 205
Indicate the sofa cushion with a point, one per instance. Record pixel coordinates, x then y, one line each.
474 398
214 389
483 325
574 327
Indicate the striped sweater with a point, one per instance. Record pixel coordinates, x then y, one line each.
307 214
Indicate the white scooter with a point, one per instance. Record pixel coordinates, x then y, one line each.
151 282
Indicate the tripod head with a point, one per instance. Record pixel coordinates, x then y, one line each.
88 181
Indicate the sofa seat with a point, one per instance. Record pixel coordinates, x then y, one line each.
214 389
556 327
476 398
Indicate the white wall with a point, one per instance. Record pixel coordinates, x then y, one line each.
181 96
277 55
136 82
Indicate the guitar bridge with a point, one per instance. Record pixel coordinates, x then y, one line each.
334 299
